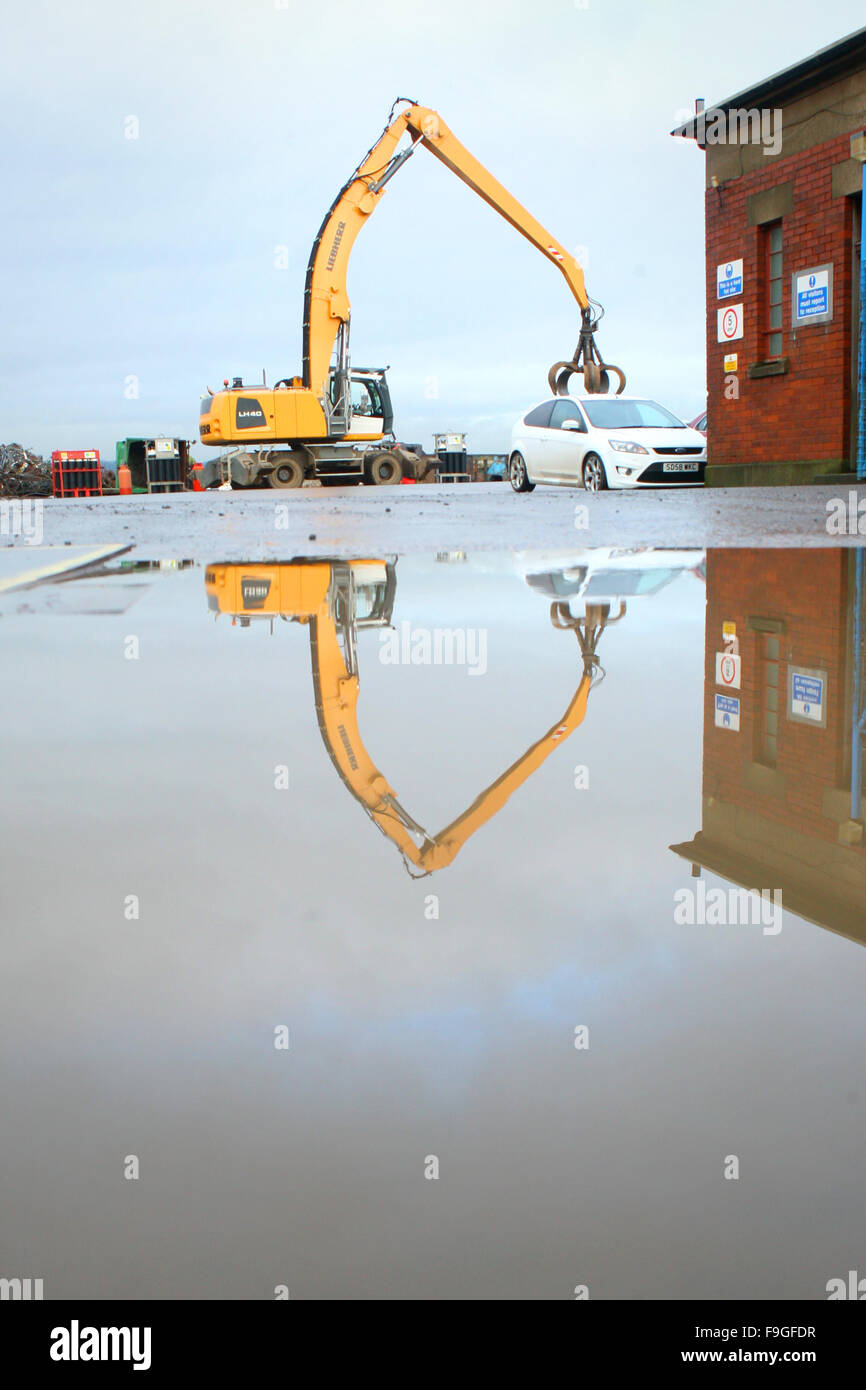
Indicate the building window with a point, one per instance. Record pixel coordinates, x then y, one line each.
773 241
768 722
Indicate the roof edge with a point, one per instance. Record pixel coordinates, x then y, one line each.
844 56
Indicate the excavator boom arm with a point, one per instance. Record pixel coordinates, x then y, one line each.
336 690
326 299
324 595
447 844
435 135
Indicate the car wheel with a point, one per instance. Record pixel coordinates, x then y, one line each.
518 474
594 476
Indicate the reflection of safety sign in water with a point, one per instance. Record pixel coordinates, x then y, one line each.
806 696
729 323
728 670
727 713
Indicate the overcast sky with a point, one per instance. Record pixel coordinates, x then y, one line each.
156 258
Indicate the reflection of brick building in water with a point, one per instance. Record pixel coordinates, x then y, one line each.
777 793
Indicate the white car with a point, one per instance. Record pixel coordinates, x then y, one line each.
604 441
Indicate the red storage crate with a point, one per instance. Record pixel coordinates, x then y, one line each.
76 473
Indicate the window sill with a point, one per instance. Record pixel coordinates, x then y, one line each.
759 777
776 366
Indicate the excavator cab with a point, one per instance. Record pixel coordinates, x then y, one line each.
356 593
360 404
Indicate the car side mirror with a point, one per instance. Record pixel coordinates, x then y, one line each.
572 425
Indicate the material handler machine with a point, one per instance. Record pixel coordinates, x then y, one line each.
335 422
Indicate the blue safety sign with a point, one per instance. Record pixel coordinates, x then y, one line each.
807 697
813 295
727 713
729 280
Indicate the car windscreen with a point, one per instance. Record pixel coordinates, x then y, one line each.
626 583
630 415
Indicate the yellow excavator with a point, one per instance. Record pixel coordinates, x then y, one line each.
336 598
335 422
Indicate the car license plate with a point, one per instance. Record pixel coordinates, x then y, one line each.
681 467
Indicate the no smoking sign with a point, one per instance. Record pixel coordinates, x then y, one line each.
730 323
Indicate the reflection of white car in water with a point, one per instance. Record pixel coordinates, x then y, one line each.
591 590
605 575
604 441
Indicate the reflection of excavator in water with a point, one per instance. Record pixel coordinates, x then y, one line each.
321 417
336 598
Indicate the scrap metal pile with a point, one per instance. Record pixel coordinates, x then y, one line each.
22 473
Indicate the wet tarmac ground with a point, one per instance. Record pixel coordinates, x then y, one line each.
373 925
478 516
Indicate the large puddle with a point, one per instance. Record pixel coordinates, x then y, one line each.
376 929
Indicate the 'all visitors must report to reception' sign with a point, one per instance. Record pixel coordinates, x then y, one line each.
812 295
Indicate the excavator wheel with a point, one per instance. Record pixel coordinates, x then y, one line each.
288 472
383 469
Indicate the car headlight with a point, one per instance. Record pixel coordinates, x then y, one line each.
627 446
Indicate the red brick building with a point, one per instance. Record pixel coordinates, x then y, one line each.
783 236
777 782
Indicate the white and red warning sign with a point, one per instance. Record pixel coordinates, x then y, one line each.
730 323
728 670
